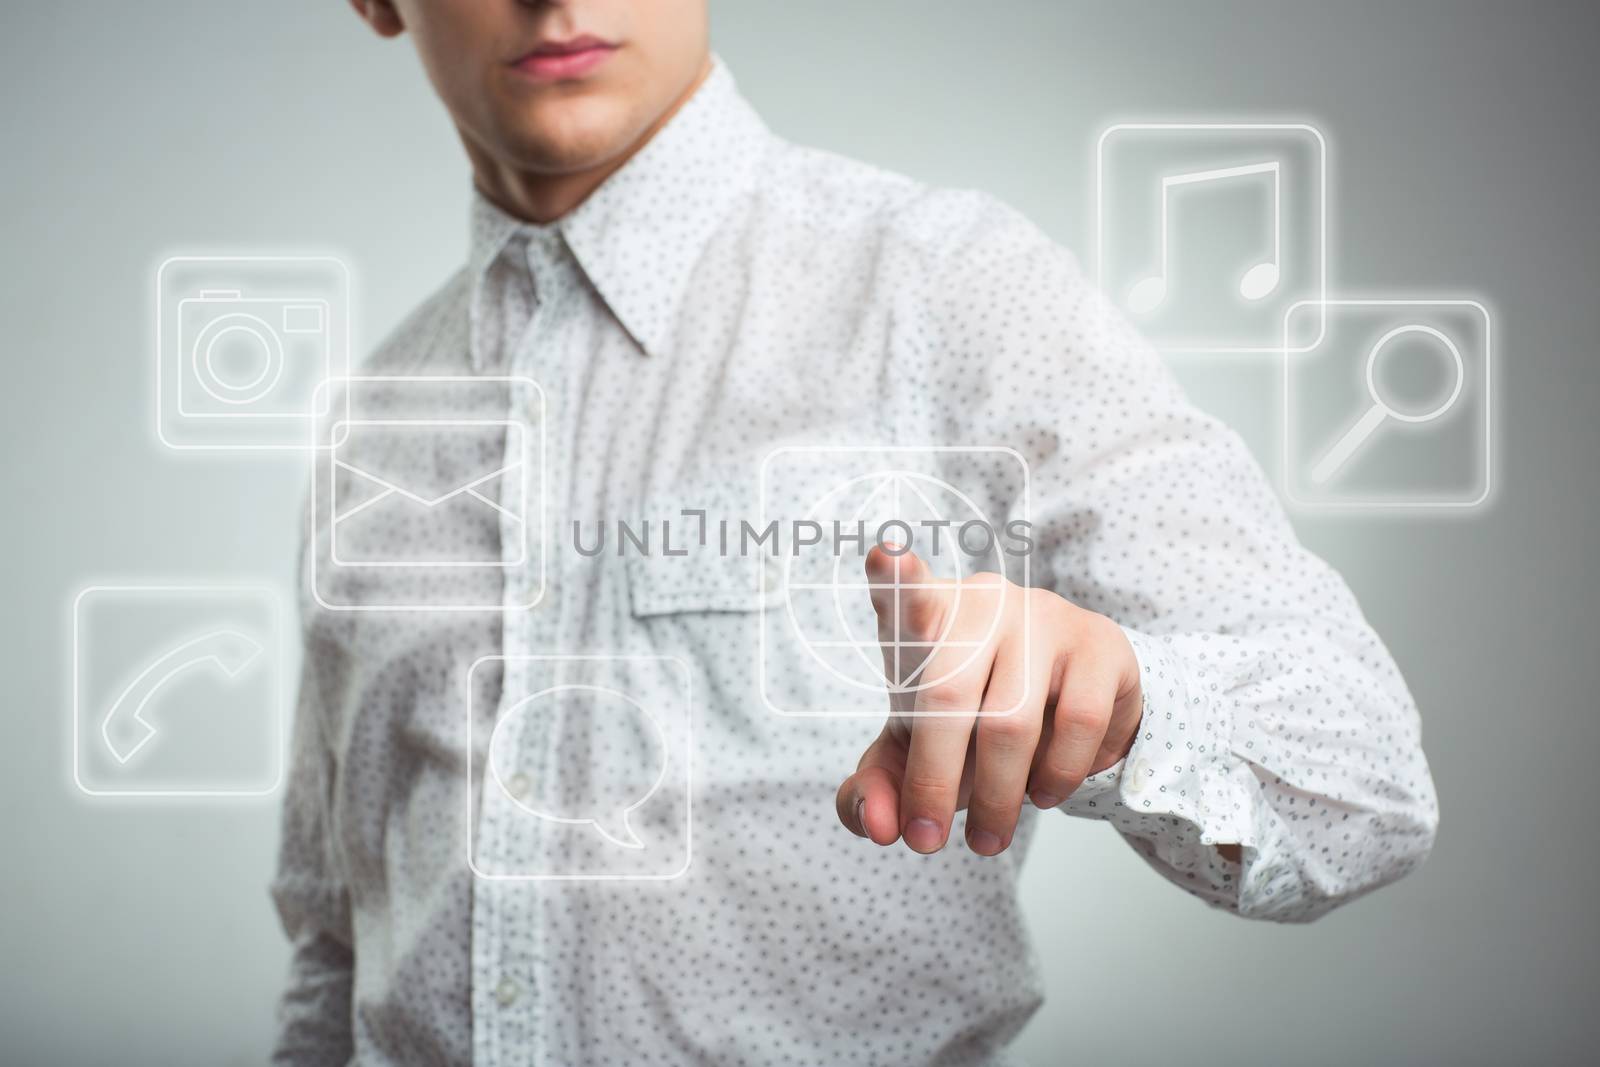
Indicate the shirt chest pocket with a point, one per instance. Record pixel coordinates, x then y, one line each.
700 578
720 607
697 552
694 592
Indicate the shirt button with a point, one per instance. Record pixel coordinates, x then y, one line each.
1135 778
506 992
518 785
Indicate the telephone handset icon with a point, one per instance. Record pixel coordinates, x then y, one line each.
125 730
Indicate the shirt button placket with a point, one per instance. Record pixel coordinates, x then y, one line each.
521 929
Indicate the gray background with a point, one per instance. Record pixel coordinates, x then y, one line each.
1464 158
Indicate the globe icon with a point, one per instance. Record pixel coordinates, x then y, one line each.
829 598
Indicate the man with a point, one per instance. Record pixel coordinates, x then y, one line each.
690 292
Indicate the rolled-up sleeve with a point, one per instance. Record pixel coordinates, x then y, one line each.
1274 720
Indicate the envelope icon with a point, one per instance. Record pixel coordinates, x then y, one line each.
428 492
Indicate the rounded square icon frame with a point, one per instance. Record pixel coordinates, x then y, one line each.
532 433
770 599
270 597
688 768
1487 458
1220 127
162 312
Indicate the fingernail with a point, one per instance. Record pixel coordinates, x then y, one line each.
1046 800
982 842
861 816
924 835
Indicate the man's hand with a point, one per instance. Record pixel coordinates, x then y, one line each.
1070 676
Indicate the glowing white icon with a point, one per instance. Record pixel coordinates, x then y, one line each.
239 347
588 776
1392 408
889 496
1381 409
176 691
493 478
125 728
242 343
1259 280
1207 231
428 494
960 510
610 822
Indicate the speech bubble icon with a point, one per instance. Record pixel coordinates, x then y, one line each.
580 755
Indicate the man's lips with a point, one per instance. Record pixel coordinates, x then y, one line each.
561 60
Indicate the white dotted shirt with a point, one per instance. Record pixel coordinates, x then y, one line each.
723 294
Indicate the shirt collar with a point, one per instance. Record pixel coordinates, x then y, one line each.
492 230
639 235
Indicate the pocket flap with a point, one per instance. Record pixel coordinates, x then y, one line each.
660 584
696 559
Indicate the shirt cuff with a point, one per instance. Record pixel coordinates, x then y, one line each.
1179 766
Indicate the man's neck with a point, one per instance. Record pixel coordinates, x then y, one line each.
543 197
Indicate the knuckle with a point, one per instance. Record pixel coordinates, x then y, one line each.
1016 604
1051 770
990 592
944 694
1091 631
992 813
1039 597
1007 731
1056 774
1081 718
1102 626
929 787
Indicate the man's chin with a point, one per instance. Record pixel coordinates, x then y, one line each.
573 136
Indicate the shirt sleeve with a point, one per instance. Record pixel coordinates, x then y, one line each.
1274 718
314 1012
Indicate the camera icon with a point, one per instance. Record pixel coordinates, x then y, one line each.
251 352
242 344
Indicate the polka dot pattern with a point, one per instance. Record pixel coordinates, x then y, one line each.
723 294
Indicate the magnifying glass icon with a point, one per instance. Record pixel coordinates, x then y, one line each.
1374 416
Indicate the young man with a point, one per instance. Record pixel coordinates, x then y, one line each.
690 291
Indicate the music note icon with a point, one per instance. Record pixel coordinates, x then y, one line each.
1257 282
